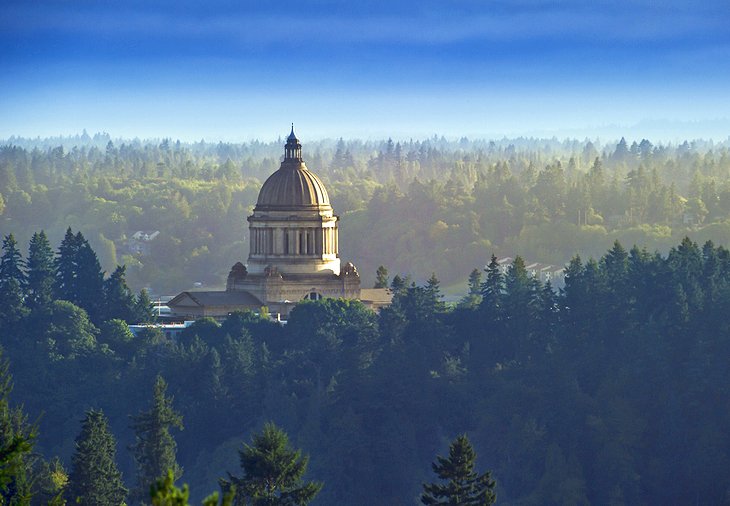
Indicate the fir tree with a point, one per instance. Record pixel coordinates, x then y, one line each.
12 282
66 285
464 486
94 477
41 273
398 284
16 442
164 493
475 282
272 472
79 278
493 290
143 311
381 277
90 279
155 448
433 293
118 299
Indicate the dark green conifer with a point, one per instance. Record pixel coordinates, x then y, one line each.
90 279
16 442
143 310
493 290
272 472
66 285
475 282
94 477
155 448
381 277
41 273
12 282
118 299
464 486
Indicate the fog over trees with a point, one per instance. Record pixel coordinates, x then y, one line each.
456 201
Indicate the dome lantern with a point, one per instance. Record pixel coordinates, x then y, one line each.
293 148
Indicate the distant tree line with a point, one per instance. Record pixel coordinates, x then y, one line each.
541 198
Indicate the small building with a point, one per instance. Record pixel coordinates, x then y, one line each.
139 242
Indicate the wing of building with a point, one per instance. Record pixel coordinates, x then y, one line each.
294 251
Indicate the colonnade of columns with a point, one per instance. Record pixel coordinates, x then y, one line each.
294 241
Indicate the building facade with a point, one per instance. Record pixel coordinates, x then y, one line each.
293 253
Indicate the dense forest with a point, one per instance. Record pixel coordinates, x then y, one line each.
612 390
456 201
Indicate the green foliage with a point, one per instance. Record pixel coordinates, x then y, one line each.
94 477
16 442
155 449
381 277
272 472
164 493
41 273
564 391
143 311
69 333
12 282
119 303
464 485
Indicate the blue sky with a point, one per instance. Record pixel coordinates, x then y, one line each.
236 70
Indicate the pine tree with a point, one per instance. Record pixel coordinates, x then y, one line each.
79 278
164 493
475 282
464 486
381 277
155 448
16 442
143 311
90 279
41 273
12 282
493 290
433 293
94 477
398 284
118 299
272 472
66 285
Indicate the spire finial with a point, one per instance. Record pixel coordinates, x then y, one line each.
293 149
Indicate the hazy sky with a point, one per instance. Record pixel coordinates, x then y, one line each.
236 70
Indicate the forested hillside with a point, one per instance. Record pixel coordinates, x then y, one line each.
612 391
418 206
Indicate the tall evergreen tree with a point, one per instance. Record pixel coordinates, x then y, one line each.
272 472
66 285
464 486
90 279
433 293
381 277
79 278
41 273
143 311
119 302
16 442
94 477
493 290
475 282
12 282
154 448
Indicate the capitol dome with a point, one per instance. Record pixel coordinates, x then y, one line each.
293 186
